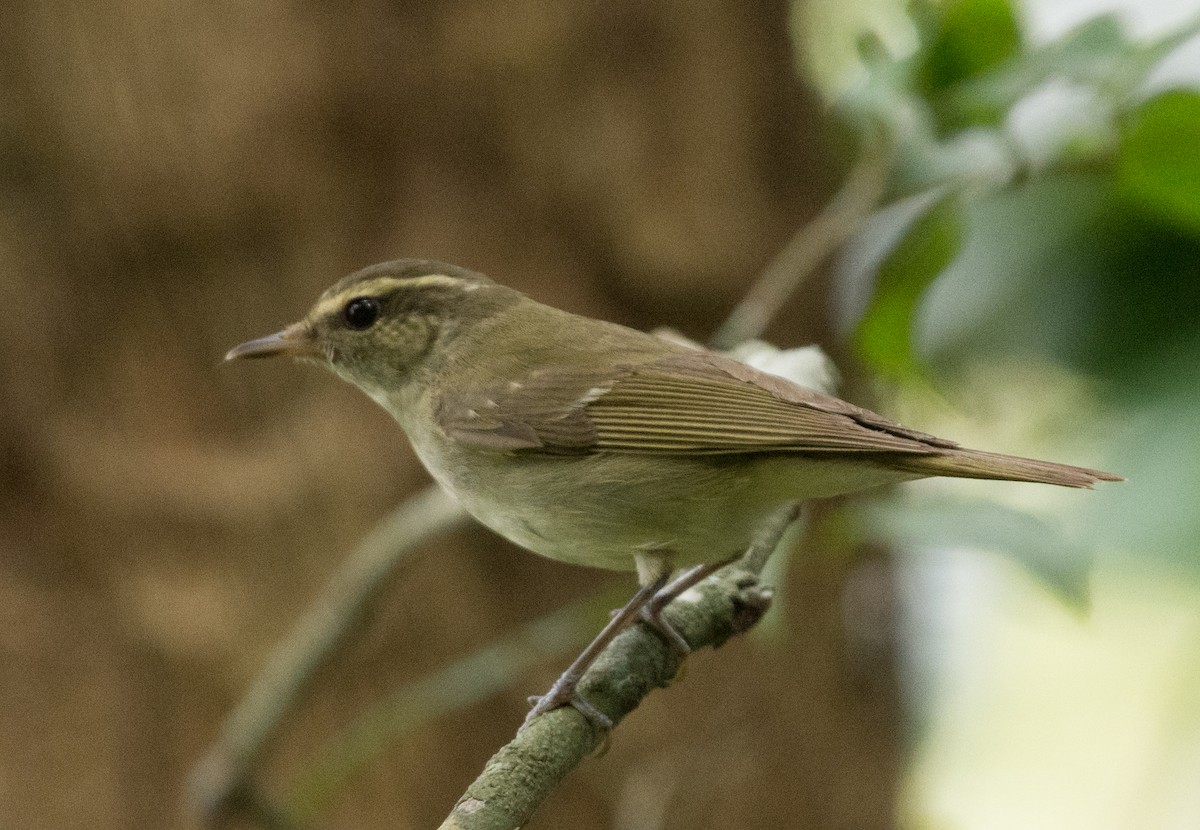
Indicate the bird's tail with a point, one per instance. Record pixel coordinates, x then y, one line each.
963 463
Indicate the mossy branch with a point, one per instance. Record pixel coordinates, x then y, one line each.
525 771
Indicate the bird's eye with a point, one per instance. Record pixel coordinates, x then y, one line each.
361 312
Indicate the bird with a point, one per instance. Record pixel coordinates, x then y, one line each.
593 443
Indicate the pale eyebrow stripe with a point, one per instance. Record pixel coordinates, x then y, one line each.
381 285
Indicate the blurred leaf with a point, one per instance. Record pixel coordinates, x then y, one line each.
1139 62
1155 443
1158 167
1018 289
884 336
970 38
827 35
1040 547
1087 53
1141 301
1097 53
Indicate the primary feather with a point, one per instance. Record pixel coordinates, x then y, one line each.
699 403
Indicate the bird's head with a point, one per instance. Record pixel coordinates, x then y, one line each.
377 326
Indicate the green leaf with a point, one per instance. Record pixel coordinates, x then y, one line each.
1098 53
884 336
1090 53
1151 520
827 35
970 38
1158 165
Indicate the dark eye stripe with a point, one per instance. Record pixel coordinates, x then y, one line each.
361 312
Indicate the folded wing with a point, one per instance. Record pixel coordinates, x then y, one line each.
689 403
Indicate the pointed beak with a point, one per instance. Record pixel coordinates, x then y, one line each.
296 340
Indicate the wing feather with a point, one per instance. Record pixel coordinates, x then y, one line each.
691 403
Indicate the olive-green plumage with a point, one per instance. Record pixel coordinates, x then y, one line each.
590 442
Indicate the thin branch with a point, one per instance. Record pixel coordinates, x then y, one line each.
769 536
469 680
808 248
221 782
452 687
525 771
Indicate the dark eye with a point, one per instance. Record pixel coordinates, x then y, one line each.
361 312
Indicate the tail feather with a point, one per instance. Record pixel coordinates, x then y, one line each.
963 463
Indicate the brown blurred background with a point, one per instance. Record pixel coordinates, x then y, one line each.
176 178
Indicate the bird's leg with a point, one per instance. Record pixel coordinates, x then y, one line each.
562 693
651 612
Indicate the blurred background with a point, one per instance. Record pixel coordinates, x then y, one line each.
176 178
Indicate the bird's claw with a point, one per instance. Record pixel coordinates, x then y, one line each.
566 695
651 615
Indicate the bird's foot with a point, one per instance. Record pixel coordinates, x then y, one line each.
651 615
651 612
564 693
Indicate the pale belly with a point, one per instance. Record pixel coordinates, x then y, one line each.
603 509
615 516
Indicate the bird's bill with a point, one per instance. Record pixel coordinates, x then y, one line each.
296 340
